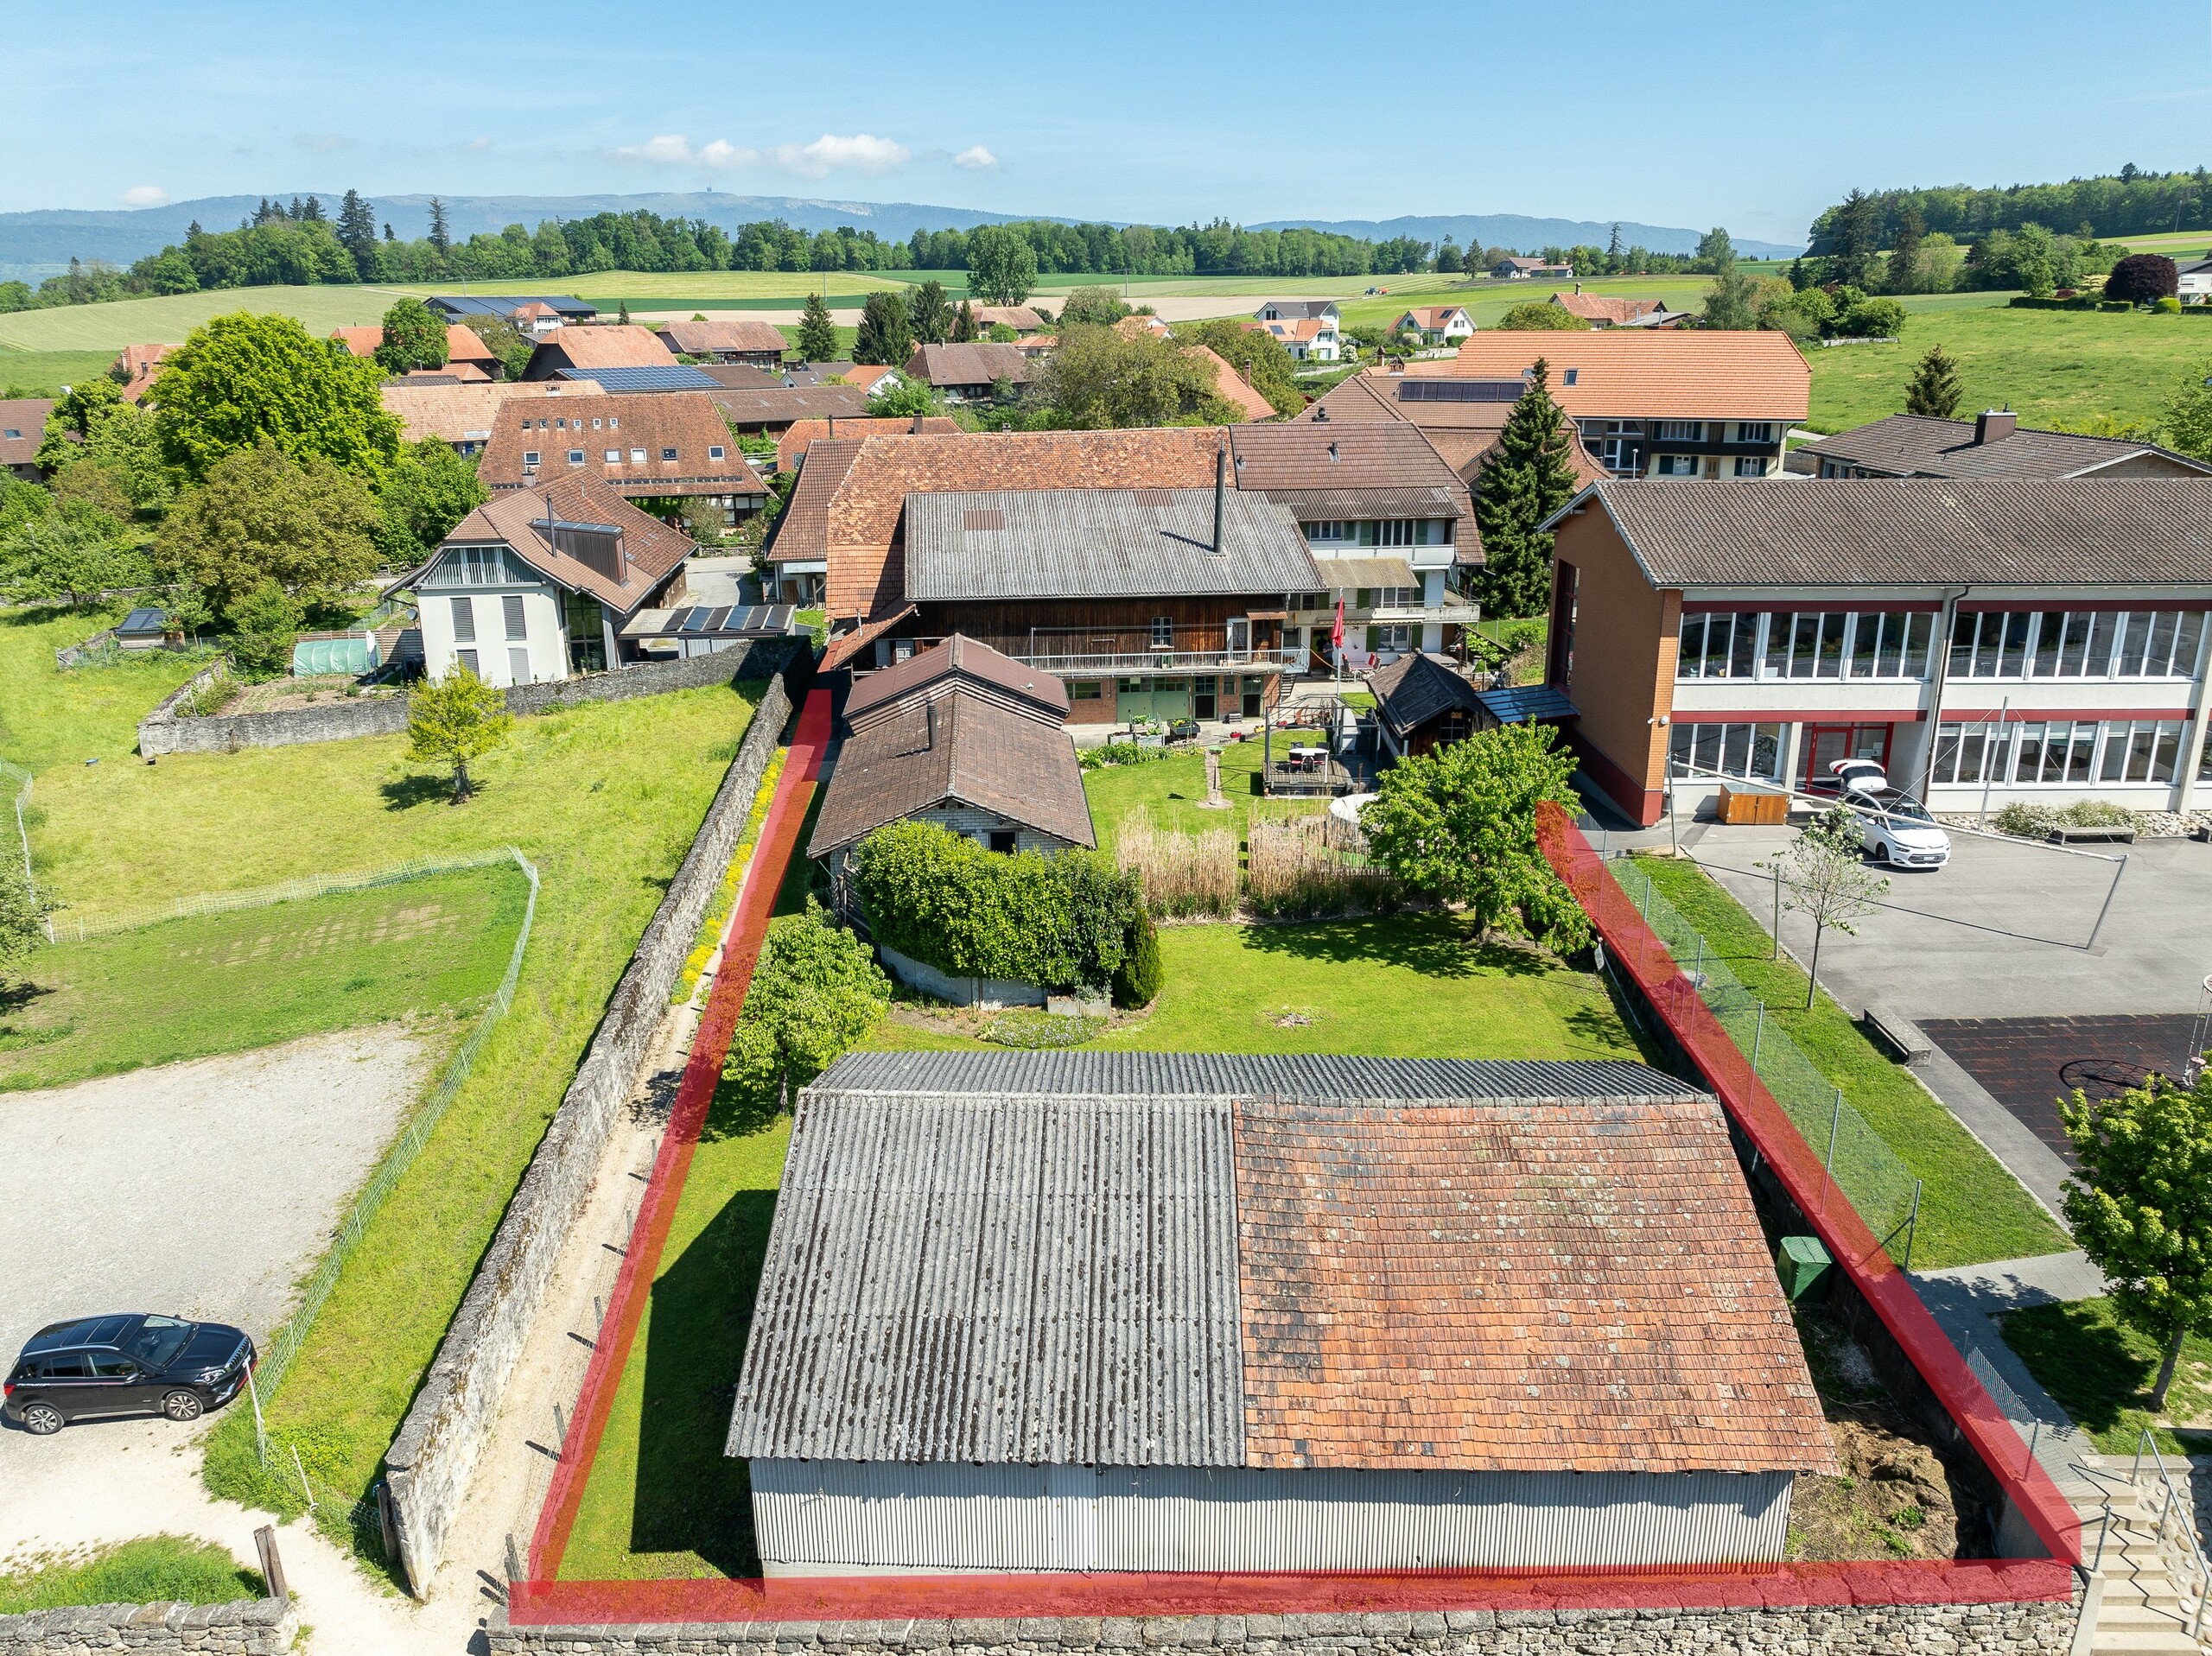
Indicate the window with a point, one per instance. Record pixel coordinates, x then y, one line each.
528 458
1751 466
1396 533
1084 689
1717 646
1751 751
518 664
1398 637
2075 644
575 457
474 566
1163 632
1397 598
1339 530
468 662
560 425
715 451
637 457
1681 431
1002 841
614 423
614 457
1674 466
2070 752
1570 377
1754 431
511 608
1839 644
464 620
668 453
596 425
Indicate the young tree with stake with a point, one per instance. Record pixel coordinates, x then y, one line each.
458 718
1824 876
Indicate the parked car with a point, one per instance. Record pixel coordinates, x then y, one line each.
129 1364
1846 775
1895 828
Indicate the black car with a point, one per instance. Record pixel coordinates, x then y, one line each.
134 1364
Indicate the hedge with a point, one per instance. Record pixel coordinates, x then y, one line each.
1061 921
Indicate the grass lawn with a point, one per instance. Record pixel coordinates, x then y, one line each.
43 373
604 799
1971 1209
50 718
780 287
215 983
1173 791
108 327
2049 366
130 1572
2102 1371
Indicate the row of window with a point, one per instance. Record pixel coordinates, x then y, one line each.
1411 531
613 456
478 565
2059 751
612 423
1751 751
2076 644
1691 464
464 618
517 663
1682 431
1815 644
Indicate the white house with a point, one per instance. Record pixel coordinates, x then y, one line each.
1299 310
536 584
1436 324
1311 338
2195 282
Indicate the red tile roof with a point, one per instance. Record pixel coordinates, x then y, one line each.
652 550
462 344
25 415
1231 385
610 345
462 413
801 433
137 365
1641 373
705 338
637 429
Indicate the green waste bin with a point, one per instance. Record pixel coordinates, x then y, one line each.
1803 1265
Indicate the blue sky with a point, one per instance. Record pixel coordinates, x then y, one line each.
1672 113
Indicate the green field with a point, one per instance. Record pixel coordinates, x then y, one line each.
209 984
2101 1371
43 373
1971 1209
1172 790
119 322
2181 247
604 799
642 287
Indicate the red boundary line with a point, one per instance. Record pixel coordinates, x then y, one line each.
764 877
1634 948
544 1601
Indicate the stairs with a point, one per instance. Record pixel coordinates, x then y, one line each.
2134 1609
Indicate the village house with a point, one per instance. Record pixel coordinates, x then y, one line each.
969 373
469 360
536 583
741 342
1992 444
463 415
1612 310
1516 268
2193 282
1300 310
1986 640
1688 402
612 345
776 409
1266 1313
1022 319
533 316
135 366
1435 324
664 447
1312 339
800 435
22 428
1463 430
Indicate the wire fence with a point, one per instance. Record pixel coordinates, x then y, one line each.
2062 1447
16 774
1857 1162
66 929
270 1375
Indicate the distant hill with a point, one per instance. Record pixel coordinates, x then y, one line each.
1513 229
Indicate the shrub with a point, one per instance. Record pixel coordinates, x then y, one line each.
1142 973
1180 873
1109 754
1032 1031
1881 319
266 621
2143 279
1543 314
2169 305
815 992
2032 821
1058 922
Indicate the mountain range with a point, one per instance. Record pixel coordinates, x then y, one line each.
39 244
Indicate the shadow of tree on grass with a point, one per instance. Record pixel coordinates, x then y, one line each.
1435 945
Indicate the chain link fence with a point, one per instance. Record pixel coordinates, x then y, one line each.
1859 1164
75 931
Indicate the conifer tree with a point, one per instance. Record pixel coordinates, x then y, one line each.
1528 477
357 233
963 324
818 334
1934 389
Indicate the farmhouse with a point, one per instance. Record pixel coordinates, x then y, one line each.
533 315
1522 270
750 344
609 345
964 737
1140 1311
1984 639
22 428
1463 430
135 366
967 373
1435 324
1612 310
1666 403
796 438
1022 319
664 447
774 410
2193 282
1992 444
536 583
463 415
469 360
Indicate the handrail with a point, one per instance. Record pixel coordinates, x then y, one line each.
2190 1564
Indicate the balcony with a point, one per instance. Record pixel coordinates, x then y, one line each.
1069 657
1455 611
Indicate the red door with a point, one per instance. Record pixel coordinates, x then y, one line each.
1826 743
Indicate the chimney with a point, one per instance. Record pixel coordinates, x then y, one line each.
1992 425
1220 490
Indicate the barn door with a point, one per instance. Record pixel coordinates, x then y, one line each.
1072 1496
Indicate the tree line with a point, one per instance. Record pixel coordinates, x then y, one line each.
2131 202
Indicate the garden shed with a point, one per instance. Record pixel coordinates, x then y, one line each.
1137 1311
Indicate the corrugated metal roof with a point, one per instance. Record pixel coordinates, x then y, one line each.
1238 1074
1099 543
1319 506
1009 1277
1527 703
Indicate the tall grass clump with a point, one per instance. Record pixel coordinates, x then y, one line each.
1303 866
1182 874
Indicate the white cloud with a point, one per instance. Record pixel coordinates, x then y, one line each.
861 153
484 142
146 195
976 159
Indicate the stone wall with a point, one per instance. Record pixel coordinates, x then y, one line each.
166 731
253 1627
431 1459
2004 1629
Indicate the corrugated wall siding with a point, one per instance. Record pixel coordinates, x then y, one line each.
818 1515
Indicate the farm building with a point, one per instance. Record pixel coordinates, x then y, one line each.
1088 1310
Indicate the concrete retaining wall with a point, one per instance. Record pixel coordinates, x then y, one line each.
166 731
987 993
431 1459
1858 1630
253 1626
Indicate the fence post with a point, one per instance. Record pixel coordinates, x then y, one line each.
1758 1036
1912 1225
1828 1168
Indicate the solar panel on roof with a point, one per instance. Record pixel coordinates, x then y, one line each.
675 376
1460 391
690 620
718 620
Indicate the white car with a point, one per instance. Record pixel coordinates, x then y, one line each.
1895 828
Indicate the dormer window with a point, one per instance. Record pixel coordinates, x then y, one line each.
575 457
1570 377
530 457
715 451
668 453
637 457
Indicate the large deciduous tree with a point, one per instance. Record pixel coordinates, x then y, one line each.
92 428
248 379
414 337
1260 358
1001 265
1525 479
1459 824
75 552
428 491
1096 379
2141 1209
1099 306
2141 278
262 516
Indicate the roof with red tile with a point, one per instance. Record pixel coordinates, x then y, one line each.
609 344
1605 306
801 433
651 550
137 365
464 413
802 529
22 428
1641 373
637 429
463 344
705 338
1231 385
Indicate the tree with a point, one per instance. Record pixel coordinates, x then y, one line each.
929 312
93 427
357 233
1097 307
75 552
1527 477
1614 249
817 993
1903 271
899 398
414 337
1459 824
1097 379
817 333
264 625
248 378
2143 279
1450 261
428 491
1001 265
1715 252
22 919
1542 314
441 231
2141 1208
504 341
262 516
884 337
2189 416
1934 389
1260 358
455 720
1824 876
963 324
1871 319
1732 301
1855 230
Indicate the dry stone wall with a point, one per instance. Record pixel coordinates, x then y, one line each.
2016 1629
249 1627
430 1461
